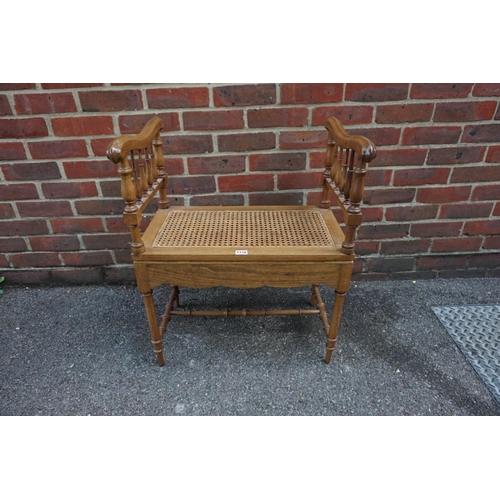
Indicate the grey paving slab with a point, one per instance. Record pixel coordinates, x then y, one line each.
86 350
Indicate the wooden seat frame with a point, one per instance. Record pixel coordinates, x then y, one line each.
284 265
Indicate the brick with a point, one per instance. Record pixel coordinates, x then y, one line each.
123 256
490 243
18 128
12 151
493 155
119 275
452 156
58 149
37 104
245 95
440 90
77 225
391 195
23 277
442 262
277 117
486 90
431 135
106 241
456 244
289 198
481 133
69 85
372 214
37 259
366 247
348 115
216 164
464 111
16 86
133 124
5 109
90 169
392 265
253 182
404 113
475 227
82 125
278 161
485 260
116 225
174 166
443 194
44 208
491 192
99 207
311 93
247 141
6 211
465 211
54 243
191 185
383 231
378 177
77 276
11 244
25 191
187 144
462 273
110 100
69 189
373 92
31 171
213 120
496 211
23 227
300 180
399 157
307 139
435 229
404 247
111 189
100 145
186 97
380 136
421 176
480 173
88 258
217 200
317 159
417 212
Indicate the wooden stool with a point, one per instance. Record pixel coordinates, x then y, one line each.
242 247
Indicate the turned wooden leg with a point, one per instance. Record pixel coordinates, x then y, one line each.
340 292
334 325
313 296
176 300
153 326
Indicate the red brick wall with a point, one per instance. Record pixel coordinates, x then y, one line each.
431 200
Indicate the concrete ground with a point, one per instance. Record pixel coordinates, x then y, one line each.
86 351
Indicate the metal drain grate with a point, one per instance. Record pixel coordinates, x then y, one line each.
476 331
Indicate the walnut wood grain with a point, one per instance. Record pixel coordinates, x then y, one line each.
242 247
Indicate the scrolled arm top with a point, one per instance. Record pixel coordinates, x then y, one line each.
364 148
120 147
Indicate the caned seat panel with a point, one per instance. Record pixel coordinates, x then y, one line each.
253 233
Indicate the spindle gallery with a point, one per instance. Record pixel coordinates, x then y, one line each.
242 246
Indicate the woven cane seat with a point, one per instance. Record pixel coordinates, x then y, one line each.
249 228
